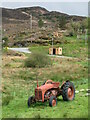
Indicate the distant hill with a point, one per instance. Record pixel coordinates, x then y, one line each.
16 23
37 13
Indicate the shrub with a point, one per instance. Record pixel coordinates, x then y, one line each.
62 22
69 33
7 65
38 59
40 23
5 41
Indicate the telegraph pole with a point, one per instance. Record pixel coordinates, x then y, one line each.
52 42
31 21
31 24
85 36
52 45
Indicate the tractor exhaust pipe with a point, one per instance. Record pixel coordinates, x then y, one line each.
37 81
37 84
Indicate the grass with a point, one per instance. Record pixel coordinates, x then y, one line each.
39 49
74 109
73 48
19 83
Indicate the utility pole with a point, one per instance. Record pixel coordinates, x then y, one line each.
85 36
52 45
31 24
31 21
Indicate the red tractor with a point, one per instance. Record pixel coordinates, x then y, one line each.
50 91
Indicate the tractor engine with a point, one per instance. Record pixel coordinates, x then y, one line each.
38 94
49 93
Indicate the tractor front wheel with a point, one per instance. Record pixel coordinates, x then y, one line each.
31 100
52 101
68 91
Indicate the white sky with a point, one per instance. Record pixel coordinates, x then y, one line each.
71 8
44 1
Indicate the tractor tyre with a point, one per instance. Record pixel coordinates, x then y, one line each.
52 101
31 100
68 91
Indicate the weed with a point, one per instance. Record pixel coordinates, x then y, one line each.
7 65
6 100
37 116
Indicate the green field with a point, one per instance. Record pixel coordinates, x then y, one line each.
19 82
72 47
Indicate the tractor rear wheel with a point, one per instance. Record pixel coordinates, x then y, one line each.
68 91
31 100
52 101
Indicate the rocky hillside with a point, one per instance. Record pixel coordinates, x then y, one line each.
37 13
16 23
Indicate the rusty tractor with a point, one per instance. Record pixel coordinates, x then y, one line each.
50 90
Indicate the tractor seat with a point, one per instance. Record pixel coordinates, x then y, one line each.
52 82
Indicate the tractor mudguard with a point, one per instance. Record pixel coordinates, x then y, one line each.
63 83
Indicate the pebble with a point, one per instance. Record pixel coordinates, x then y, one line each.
76 91
82 90
87 94
88 90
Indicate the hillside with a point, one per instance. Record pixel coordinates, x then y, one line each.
37 12
17 21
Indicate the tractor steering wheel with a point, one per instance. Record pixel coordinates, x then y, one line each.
49 82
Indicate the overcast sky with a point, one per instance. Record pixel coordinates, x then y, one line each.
71 8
